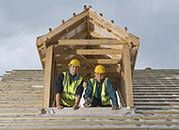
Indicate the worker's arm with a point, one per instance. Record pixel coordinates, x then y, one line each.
112 93
79 92
77 101
58 90
59 83
58 101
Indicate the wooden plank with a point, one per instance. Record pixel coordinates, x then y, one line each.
22 100
49 73
90 51
77 42
156 96
154 85
154 93
25 94
22 104
134 39
134 52
157 89
104 61
93 61
97 51
20 111
157 99
157 107
157 111
126 78
41 52
157 103
90 70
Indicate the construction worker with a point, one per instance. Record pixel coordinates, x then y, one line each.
69 87
99 90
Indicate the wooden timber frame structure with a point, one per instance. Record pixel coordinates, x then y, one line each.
92 40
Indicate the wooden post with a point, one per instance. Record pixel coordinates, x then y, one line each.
126 78
49 76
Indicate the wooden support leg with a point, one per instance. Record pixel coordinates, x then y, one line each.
49 76
126 78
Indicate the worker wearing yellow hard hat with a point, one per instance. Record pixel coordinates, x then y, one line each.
69 87
75 62
100 91
100 69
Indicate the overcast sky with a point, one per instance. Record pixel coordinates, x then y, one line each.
156 22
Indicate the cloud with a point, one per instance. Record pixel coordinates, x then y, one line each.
20 56
155 21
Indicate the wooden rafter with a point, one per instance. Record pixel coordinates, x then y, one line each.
77 42
57 30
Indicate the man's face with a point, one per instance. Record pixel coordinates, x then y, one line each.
99 76
73 69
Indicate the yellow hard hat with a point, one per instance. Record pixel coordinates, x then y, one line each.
99 69
74 62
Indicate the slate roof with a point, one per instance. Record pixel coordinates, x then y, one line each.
156 95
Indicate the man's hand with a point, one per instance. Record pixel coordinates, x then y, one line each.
115 107
75 107
60 107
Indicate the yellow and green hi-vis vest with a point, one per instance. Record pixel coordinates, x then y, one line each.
104 98
68 95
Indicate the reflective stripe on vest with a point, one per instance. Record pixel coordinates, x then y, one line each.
69 90
104 98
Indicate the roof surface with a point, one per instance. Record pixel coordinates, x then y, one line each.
156 99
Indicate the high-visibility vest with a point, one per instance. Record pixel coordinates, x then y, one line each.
104 97
69 90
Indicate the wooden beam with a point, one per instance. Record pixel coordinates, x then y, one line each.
60 28
134 39
97 31
134 52
90 42
91 52
49 76
126 78
103 61
41 54
97 51
108 25
92 61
